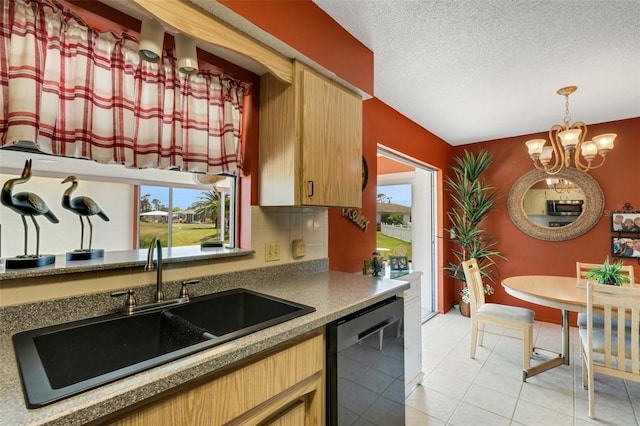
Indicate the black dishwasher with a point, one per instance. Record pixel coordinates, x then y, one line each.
365 366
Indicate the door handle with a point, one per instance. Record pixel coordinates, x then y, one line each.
374 329
311 189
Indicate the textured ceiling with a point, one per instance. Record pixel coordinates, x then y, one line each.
471 71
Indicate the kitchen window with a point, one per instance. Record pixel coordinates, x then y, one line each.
188 216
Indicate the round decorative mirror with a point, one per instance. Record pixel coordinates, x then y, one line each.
555 207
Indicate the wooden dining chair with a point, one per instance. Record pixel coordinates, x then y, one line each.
619 342
495 314
581 272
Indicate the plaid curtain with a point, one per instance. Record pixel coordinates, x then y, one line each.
77 92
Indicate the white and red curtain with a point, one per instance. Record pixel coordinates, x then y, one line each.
78 92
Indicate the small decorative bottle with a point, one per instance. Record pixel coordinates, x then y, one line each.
378 266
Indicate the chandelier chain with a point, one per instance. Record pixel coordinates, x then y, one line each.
567 117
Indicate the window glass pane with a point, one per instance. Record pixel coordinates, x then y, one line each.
154 211
194 217
189 216
394 216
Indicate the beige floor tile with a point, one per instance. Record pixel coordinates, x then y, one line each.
433 403
499 382
468 414
556 400
489 390
418 418
446 384
531 414
488 399
465 369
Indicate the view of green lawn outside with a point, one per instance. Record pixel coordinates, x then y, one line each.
184 234
383 241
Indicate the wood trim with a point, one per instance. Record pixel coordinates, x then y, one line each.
200 25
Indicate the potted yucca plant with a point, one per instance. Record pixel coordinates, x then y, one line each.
472 200
608 273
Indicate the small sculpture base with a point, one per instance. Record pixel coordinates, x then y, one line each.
29 262
85 254
206 244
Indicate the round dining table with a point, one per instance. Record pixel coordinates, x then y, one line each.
565 293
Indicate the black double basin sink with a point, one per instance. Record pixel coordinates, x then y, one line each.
63 360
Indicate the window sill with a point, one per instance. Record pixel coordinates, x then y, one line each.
120 260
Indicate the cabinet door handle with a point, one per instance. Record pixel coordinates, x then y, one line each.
311 188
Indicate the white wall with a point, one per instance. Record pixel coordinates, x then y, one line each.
116 199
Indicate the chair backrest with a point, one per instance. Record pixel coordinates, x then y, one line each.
474 284
583 268
621 303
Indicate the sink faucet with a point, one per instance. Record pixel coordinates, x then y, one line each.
150 266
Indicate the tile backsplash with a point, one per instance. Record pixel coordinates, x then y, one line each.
285 224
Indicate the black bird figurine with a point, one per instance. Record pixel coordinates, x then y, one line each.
83 207
26 204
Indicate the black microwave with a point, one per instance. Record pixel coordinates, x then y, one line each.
564 207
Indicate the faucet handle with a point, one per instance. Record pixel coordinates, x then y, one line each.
131 300
184 292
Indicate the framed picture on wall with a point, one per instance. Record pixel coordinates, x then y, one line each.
625 222
625 247
398 263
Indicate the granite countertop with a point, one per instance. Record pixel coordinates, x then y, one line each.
333 294
121 259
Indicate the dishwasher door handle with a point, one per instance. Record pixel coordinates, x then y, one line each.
351 329
374 329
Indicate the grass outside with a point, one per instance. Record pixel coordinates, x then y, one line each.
184 234
383 241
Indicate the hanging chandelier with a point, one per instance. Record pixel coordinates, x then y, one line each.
568 147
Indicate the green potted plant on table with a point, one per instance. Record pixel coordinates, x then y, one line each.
472 200
609 273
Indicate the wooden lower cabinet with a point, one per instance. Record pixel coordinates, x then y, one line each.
283 388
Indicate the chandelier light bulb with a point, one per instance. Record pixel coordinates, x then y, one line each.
604 143
589 150
535 146
570 138
545 157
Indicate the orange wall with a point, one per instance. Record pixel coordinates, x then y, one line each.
620 183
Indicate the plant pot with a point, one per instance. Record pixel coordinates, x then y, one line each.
465 309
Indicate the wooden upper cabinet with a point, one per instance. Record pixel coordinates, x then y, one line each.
310 142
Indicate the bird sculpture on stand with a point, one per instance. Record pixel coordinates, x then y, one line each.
27 204
83 207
